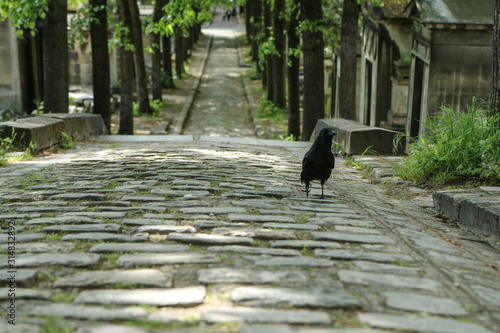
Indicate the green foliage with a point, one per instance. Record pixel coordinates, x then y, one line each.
24 14
460 145
181 15
6 145
167 81
67 141
155 107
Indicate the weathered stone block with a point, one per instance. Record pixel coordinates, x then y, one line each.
355 138
79 125
42 132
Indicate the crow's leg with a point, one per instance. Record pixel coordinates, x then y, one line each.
322 193
307 190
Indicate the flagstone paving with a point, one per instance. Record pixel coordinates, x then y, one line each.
146 256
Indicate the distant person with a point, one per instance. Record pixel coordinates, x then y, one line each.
228 14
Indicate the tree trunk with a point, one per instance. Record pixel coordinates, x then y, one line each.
314 95
495 68
256 12
279 97
179 54
156 56
267 23
167 60
348 60
140 66
293 75
101 81
55 58
127 76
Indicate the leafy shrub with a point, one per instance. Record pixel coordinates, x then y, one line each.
155 109
67 141
459 146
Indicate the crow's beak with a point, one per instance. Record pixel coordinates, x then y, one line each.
332 133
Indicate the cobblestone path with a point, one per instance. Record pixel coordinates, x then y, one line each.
220 107
213 236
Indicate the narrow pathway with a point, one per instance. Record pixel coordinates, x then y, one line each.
220 107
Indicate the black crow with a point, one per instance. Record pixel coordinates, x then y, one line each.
318 162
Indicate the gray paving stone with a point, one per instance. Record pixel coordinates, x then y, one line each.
45 210
204 239
48 259
300 244
389 280
259 315
77 228
166 229
110 329
291 261
158 259
210 224
213 210
325 209
423 303
98 215
143 221
351 254
42 247
489 295
188 296
259 218
27 293
107 237
78 196
22 237
300 298
18 328
253 250
277 328
254 233
87 312
183 194
106 203
63 220
248 276
143 198
145 277
294 226
261 203
352 238
419 324
357 230
138 247
24 277
387 269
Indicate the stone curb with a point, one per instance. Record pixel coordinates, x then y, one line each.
477 209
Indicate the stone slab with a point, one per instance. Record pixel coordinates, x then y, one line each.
188 296
78 228
248 276
419 323
204 239
145 277
259 218
107 237
87 312
21 237
157 259
213 210
291 261
24 277
351 238
138 247
300 298
301 244
50 259
80 126
254 233
294 226
253 250
260 315
167 229
352 254
42 247
423 303
389 280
